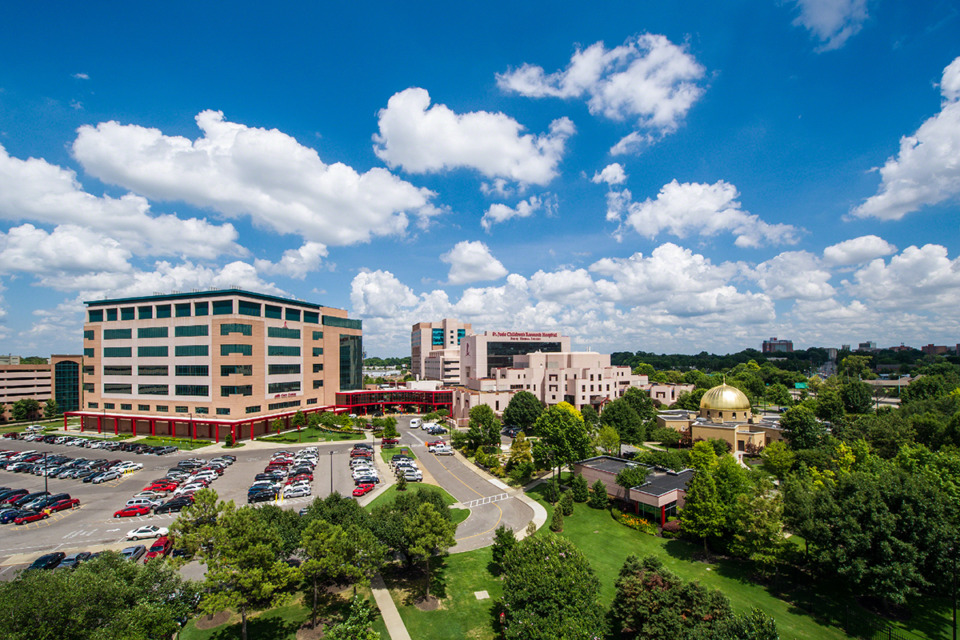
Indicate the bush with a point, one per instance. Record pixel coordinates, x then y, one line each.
566 504
671 529
598 496
402 484
229 441
556 522
579 489
521 472
634 522
503 541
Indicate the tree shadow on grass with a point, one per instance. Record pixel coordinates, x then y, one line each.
266 627
412 582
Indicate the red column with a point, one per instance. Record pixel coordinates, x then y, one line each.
99 424
663 515
216 427
65 422
153 427
116 426
133 427
194 429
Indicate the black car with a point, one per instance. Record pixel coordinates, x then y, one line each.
266 495
48 561
30 497
227 456
173 506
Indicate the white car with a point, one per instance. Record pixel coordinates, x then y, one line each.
129 466
150 495
443 451
149 531
142 502
297 491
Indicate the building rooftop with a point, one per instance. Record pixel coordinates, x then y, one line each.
608 464
661 482
219 293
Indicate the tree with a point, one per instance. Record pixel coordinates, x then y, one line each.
855 368
690 400
556 519
277 425
388 521
856 396
731 479
285 522
630 477
757 524
598 495
299 420
653 602
608 440
25 409
550 592
432 534
566 504
778 459
520 451
357 624
389 427
926 388
579 489
107 598
829 405
244 567
522 411
640 401
484 426
703 457
778 394
562 431
702 515
621 416
801 429
50 409
503 541
335 554
753 625
195 527
590 418
228 441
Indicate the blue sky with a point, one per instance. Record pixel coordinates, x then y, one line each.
657 176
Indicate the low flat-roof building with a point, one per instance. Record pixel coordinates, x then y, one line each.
657 499
59 380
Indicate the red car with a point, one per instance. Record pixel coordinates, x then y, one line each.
132 511
160 549
363 489
29 517
390 441
165 487
64 504
435 442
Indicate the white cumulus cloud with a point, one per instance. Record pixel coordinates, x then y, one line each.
471 261
918 278
926 171
380 294
239 170
296 263
67 249
793 275
611 174
422 138
647 79
36 190
857 250
499 212
683 209
832 22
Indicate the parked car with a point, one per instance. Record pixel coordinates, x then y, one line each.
106 476
176 505
297 491
159 549
29 516
363 489
262 496
128 512
70 503
149 531
48 561
134 553
73 560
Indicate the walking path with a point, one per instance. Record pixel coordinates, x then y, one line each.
388 609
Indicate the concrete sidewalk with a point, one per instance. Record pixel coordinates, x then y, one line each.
388 609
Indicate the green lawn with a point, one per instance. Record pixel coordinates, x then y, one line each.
456 579
308 434
180 443
387 454
391 493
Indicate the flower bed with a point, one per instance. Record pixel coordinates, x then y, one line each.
634 522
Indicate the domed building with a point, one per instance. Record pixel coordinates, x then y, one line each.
725 404
725 414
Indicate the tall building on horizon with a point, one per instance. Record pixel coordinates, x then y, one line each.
435 349
773 345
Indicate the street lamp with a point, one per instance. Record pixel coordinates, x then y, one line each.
331 477
45 476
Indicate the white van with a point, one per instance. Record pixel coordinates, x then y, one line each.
415 423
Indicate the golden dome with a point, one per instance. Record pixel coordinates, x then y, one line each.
725 398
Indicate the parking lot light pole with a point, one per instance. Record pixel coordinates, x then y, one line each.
331 472
45 475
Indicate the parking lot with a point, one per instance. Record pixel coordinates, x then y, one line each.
92 527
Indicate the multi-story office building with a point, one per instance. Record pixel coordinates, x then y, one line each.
480 354
59 380
773 345
435 350
579 378
201 363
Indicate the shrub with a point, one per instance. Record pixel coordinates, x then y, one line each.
521 472
671 529
556 522
634 522
598 495
503 541
566 504
402 484
229 441
579 489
